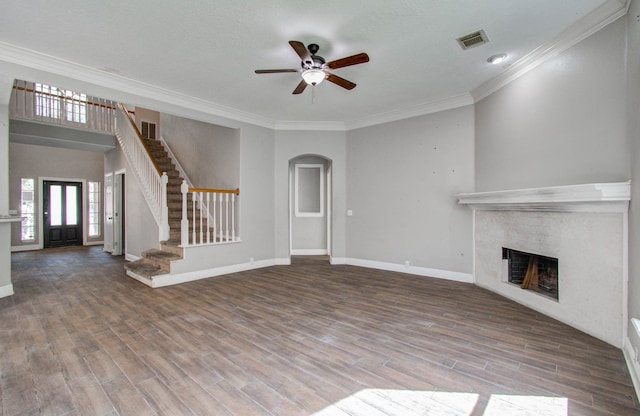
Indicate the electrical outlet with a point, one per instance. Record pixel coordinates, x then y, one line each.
251 260
407 264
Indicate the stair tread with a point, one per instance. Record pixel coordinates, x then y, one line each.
143 268
156 254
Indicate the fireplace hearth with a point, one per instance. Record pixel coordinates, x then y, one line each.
532 271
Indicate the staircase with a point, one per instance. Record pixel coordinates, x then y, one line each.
156 262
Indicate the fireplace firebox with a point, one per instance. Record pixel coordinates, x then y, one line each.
532 271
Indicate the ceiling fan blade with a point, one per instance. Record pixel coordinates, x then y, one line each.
348 61
274 71
346 84
300 49
300 88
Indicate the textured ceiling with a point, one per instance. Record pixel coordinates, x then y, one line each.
209 50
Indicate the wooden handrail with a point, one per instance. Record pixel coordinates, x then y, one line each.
135 128
216 191
15 87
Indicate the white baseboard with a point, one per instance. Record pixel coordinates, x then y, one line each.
174 279
309 252
94 243
6 290
131 257
632 364
420 271
28 247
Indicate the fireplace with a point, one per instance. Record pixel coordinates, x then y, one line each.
584 226
531 271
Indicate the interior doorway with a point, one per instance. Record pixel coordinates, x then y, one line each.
114 212
310 205
62 214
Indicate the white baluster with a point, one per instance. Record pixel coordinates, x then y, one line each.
233 217
208 228
165 208
227 215
184 222
201 230
215 223
193 217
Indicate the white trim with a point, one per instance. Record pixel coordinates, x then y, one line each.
93 243
416 270
174 279
582 29
310 125
596 20
131 257
337 260
26 247
598 197
283 261
430 107
127 86
632 364
309 252
6 290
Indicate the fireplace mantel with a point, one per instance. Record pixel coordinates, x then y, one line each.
584 197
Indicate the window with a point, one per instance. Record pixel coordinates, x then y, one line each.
56 103
27 210
94 209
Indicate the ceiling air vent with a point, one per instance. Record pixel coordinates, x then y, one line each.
473 39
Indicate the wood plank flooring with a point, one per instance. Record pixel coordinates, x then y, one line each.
81 338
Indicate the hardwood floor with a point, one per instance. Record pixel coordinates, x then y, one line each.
81 338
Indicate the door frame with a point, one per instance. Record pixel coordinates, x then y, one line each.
119 212
328 201
41 180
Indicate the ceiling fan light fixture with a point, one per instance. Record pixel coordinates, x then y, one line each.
313 76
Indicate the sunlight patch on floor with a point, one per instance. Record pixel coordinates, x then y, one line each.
385 402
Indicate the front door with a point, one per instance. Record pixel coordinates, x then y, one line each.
62 215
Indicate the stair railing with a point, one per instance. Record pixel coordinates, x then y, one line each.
151 179
213 216
39 102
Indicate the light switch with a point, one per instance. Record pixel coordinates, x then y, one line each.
349 213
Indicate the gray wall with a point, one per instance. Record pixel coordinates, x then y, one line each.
31 161
633 135
209 154
561 124
141 229
402 181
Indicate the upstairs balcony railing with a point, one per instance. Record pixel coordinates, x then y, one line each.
41 102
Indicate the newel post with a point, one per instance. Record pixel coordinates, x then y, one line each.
184 223
164 209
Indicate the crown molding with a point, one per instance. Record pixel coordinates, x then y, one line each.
310 125
585 27
121 87
125 89
418 110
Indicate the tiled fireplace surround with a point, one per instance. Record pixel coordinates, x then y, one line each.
584 226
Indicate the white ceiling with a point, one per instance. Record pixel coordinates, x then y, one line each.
207 51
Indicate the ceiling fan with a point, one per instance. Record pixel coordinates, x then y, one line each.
315 68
